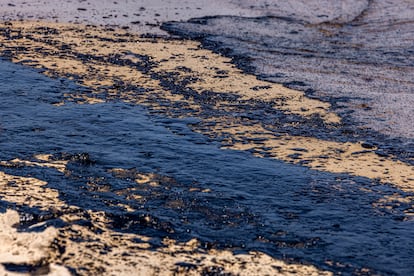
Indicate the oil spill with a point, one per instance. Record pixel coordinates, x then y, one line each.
179 79
360 61
151 175
110 160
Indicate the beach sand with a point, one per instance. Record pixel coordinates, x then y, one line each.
175 78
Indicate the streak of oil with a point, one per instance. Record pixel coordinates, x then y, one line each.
179 79
154 176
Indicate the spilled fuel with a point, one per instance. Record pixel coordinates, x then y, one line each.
134 147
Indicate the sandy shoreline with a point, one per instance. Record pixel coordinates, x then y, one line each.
174 78
163 55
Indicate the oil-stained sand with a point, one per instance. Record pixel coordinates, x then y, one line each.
180 79
358 54
93 248
97 202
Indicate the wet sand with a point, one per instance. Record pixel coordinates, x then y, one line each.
361 58
114 69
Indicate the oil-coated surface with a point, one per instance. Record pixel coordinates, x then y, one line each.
160 155
254 204
362 58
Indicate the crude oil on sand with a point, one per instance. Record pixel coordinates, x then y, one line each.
116 65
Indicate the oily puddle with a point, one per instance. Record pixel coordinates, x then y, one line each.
132 192
107 172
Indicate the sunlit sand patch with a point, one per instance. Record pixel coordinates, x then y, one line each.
152 72
35 245
29 249
43 160
208 71
151 179
97 249
29 191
